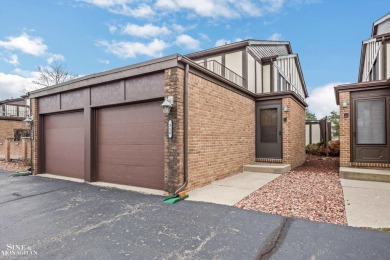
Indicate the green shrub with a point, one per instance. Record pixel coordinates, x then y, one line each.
320 149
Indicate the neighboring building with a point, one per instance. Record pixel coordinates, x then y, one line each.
12 114
232 105
364 106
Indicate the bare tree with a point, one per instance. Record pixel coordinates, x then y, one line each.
54 74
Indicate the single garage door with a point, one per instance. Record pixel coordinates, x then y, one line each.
131 145
64 144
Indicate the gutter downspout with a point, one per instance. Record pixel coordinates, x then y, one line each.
185 135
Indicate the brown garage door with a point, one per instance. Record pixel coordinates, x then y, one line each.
64 144
131 145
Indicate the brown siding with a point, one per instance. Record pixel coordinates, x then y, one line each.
49 104
293 133
64 144
221 132
111 93
73 100
145 87
131 145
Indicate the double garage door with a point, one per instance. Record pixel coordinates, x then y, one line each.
129 145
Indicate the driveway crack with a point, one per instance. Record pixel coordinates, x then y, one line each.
32 195
274 240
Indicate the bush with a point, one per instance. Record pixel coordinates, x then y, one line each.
320 149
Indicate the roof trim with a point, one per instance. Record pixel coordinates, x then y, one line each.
369 85
8 100
107 76
236 45
377 22
279 95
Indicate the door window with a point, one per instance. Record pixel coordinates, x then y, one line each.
268 125
370 121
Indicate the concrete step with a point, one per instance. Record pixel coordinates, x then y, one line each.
276 168
363 174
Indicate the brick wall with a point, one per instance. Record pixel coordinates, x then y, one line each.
345 130
35 148
221 132
293 133
6 131
174 150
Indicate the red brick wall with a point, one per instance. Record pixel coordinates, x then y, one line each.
34 113
7 130
221 132
293 133
345 130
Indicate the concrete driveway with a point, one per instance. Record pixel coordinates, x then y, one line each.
57 219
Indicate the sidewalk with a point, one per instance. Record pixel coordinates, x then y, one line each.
367 203
232 189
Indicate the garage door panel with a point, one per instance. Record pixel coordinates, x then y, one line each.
120 154
153 176
64 144
132 133
131 145
121 116
115 173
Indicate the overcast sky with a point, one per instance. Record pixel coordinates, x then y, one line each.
91 36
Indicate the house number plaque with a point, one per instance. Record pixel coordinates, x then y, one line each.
170 129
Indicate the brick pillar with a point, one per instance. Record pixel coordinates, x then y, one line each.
174 166
345 130
35 141
8 148
25 148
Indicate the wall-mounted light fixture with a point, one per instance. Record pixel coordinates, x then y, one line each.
285 108
28 121
167 105
345 103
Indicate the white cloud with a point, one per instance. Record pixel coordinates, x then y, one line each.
54 57
108 3
104 61
273 5
275 37
25 43
187 42
13 85
126 49
142 11
146 31
124 7
322 100
13 59
112 28
222 41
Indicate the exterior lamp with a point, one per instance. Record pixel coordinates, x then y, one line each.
285 108
28 121
167 105
345 103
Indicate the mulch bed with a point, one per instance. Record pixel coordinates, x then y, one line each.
312 191
14 166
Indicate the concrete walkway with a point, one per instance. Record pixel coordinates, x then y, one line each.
231 190
367 203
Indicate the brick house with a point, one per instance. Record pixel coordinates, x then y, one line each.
364 106
232 105
12 113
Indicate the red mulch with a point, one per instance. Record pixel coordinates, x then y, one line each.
14 166
312 191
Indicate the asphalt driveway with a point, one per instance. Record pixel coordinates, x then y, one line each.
57 219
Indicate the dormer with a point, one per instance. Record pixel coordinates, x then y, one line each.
375 58
259 66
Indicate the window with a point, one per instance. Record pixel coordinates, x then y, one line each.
370 122
268 125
